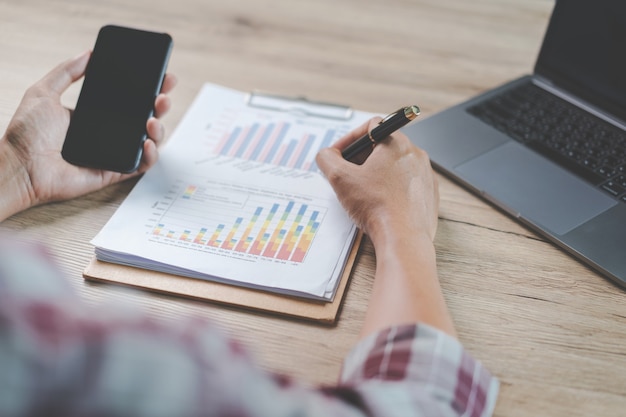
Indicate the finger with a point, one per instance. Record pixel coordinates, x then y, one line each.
63 75
331 163
155 130
331 157
150 156
169 82
357 133
393 147
162 105
400 143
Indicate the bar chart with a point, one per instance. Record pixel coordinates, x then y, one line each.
290 144
272 144
258 226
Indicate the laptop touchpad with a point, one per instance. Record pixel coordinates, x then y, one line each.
526 184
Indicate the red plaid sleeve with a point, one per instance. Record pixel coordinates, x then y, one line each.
419 370
60 357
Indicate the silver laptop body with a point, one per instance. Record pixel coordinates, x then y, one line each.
577 201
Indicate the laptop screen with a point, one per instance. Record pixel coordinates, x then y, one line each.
584 52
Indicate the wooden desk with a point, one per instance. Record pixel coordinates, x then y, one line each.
552 330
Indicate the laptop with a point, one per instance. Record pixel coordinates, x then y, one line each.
549 148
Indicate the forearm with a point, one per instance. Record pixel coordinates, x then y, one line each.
406 287
14 196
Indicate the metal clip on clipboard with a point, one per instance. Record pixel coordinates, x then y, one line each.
299 106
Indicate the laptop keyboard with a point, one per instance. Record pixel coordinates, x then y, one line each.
578 141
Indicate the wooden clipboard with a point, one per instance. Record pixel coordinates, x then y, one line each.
319 311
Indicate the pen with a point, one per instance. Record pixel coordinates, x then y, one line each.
360 149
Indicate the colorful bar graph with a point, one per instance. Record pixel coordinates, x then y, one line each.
229 242
290 240
157 230
276 239
245 141
283 159
277 230
272 146
303 150
245 240
307 238
256 148
282 144
185 235
214 237
263 236
227 141
199 239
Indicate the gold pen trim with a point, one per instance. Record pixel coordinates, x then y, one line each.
411 112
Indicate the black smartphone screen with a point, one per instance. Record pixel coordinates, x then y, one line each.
123 77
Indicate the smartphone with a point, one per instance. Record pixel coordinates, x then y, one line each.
122 80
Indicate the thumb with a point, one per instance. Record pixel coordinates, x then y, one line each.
331 163
64 74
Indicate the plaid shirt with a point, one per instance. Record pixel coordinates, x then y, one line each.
61 358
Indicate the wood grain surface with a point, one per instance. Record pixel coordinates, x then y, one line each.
552 330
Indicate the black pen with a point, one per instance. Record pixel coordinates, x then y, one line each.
359 150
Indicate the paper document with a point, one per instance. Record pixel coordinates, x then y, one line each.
236 197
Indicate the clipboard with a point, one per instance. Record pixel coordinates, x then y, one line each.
299 105
231 295
321 311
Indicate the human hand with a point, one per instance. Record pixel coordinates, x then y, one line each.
393 196
392 193
31 148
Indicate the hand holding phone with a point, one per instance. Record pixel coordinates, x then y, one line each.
122 80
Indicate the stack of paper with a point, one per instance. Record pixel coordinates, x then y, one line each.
236 197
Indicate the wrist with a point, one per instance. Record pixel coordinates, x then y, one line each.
393 232
407 287
410 252
14 182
